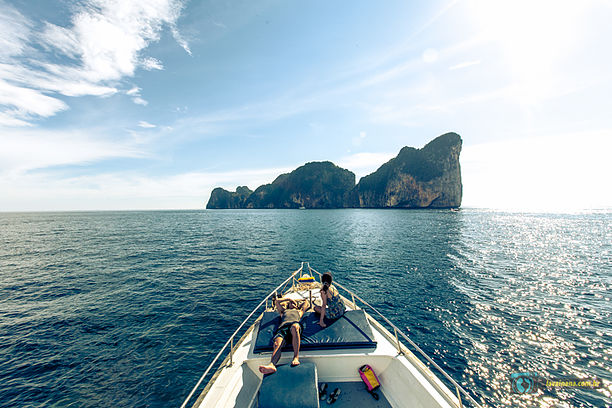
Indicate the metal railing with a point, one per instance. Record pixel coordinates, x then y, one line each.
230 341
397 332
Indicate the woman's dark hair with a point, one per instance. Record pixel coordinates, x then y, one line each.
326 279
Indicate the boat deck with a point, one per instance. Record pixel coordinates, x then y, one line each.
406 382
354 394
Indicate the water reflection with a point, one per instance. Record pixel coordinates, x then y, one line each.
541 288
154 295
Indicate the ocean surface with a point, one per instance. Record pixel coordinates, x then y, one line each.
127 309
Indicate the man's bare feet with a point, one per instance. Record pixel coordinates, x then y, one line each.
295 362
267 369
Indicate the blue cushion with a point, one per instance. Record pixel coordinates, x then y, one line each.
290 387
352 330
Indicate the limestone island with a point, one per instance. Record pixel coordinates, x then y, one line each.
416 178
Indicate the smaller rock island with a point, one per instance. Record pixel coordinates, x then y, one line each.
416 178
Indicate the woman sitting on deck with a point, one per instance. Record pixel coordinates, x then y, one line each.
332 304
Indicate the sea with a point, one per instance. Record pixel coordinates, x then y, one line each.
128 309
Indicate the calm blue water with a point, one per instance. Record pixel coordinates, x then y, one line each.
128 308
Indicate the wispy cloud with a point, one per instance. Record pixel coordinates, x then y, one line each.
136 98
364 163
348 89
146 125
134 92
152 63
9 119
25 102
555 172
25 150
15 30
40 62
180 40
110 191
463 65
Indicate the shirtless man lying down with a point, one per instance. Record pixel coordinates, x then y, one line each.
289 330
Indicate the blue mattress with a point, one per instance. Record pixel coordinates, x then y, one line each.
290 387
352 330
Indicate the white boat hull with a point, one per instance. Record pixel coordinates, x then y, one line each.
405 380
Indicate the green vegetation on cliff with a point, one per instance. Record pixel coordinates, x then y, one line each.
415 178
220 198
410 179
313 185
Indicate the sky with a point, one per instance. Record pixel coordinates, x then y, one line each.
129 105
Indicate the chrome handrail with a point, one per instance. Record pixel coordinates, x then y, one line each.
231 339
398 331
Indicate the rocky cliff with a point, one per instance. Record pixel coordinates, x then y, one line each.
220 198
417 178
313 185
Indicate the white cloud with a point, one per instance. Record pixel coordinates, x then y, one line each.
140 101
363 164
111 34
180 40
52 78
135 91
11 121
357 141
30 149
101 46
61 39
116 191
332 92
15 29
560 38
430 55
152 63
147 125
136 98
26 102
463 65
568 171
